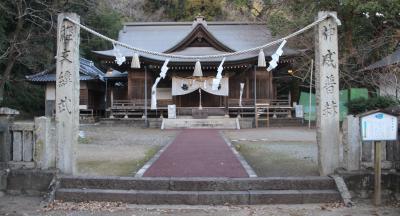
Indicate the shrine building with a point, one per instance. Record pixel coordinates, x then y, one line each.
125 92
189 90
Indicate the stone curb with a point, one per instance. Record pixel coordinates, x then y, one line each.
246 166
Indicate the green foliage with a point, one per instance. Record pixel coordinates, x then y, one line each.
24 97
105 21
361 105
36 43
186 10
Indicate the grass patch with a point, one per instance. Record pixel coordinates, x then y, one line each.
148 155
267 162
85 140
115 168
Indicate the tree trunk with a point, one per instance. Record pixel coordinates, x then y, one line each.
6 75
13 55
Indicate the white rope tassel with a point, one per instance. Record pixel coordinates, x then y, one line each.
135 61
197 70
261 59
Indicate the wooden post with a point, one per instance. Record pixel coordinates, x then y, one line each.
145 96
67 92
377 168
327 94
310 92
255 97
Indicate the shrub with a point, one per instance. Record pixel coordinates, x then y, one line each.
361 105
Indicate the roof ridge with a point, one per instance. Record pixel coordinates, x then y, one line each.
190 23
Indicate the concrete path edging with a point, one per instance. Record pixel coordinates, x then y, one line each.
244 163
148 164
343 190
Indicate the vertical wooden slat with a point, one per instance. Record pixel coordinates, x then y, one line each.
396 151
27 147
17 145
389 150
366 151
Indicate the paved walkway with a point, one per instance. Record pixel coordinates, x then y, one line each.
197 153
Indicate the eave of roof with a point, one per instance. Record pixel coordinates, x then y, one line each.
389 60
87 72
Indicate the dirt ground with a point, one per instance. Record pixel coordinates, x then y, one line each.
278 151
27 206
118 151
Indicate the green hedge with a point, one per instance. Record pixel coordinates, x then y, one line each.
361 105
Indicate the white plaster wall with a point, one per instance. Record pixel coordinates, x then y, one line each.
51 91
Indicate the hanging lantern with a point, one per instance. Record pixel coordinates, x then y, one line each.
261 59
197 70
135 61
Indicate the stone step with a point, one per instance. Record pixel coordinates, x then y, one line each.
199 184
218 123
200 197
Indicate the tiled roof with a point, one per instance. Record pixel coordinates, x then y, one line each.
389 60
87 71
162 36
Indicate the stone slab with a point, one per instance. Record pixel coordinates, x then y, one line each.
275 197
29 180
122 183
17 146
223 198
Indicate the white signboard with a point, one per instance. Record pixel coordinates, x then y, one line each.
299 111
378 126
172 111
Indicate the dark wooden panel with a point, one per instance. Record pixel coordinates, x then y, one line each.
264 85
192 100
136 85
83 97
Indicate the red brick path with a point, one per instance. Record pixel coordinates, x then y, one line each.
197 153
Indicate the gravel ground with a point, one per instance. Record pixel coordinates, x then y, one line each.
278 151
119 151
18 205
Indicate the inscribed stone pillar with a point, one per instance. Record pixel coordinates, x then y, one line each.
327 94
67 92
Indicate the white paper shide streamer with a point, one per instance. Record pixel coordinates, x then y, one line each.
154 94
218 77
275 57
163 73
164 69
241 94
119 58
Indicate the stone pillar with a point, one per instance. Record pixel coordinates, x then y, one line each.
6 120
45 150
327 94
67 92
351 143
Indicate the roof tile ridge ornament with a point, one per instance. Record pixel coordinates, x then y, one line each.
199 19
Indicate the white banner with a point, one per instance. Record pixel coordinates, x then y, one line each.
182 86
